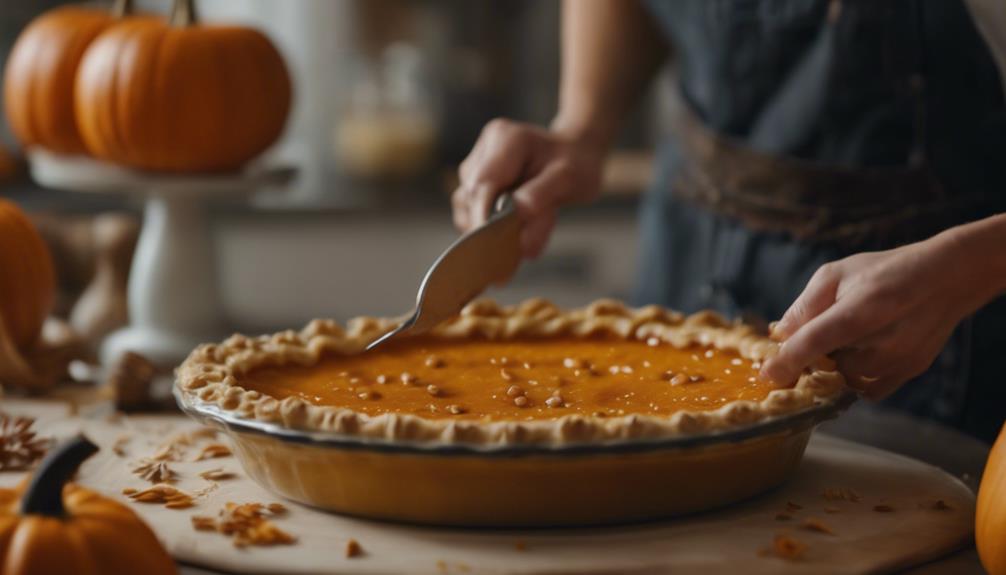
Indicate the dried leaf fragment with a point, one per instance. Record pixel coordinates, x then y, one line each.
154 471
202 433
353 549
212 451
168 495
816 525
167 452
20 447
785 547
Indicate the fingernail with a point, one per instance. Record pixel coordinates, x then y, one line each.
771 373
763 374
779 330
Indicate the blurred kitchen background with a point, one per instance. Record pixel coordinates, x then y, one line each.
389 95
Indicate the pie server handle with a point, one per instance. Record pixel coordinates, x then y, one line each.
486 255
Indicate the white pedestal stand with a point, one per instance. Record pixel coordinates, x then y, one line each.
173 303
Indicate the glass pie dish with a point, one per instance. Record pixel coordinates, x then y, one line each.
521 416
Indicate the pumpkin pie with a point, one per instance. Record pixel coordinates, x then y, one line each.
527 375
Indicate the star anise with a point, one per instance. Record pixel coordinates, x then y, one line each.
20 447
154 471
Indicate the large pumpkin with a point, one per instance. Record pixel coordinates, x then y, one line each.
40 73
27 278
990 521
50 526
181 96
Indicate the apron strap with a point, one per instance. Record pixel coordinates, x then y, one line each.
811 201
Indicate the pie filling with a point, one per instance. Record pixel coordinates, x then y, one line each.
530 379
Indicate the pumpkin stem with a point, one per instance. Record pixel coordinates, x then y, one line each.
183 13
44 495
122 8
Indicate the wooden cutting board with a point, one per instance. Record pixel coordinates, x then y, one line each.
907 531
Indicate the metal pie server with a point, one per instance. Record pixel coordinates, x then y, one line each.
483 256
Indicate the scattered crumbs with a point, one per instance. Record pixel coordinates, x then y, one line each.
816 525
353 549
119 447
936 505
203 523
216 474
841 494
785 547
882 508
213 486
246 524
128 491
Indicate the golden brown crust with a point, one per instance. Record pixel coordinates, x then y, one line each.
208 377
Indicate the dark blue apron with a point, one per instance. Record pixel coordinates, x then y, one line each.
809 130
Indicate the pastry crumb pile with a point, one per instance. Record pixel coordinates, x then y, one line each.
247 524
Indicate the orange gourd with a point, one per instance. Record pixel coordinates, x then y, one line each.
990 520
40 73
27 277
181 96
50 526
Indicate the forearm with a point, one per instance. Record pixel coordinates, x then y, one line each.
983 243
610 50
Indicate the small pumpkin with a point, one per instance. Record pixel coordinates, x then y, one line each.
51 526
40 73
990 519
180 96
27 279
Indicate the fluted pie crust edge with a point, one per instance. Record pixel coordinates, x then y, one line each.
209 376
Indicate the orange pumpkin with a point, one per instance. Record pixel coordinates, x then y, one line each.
990 520
27 279
181 96
50 526
40 73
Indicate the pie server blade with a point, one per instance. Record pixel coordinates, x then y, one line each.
486 255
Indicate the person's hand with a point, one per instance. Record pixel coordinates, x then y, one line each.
884 316
547 169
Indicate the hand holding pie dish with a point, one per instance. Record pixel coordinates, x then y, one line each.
525 415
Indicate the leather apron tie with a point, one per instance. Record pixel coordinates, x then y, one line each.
810 201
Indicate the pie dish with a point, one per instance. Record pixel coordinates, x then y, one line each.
522 415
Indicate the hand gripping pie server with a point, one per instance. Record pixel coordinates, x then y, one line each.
486 255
